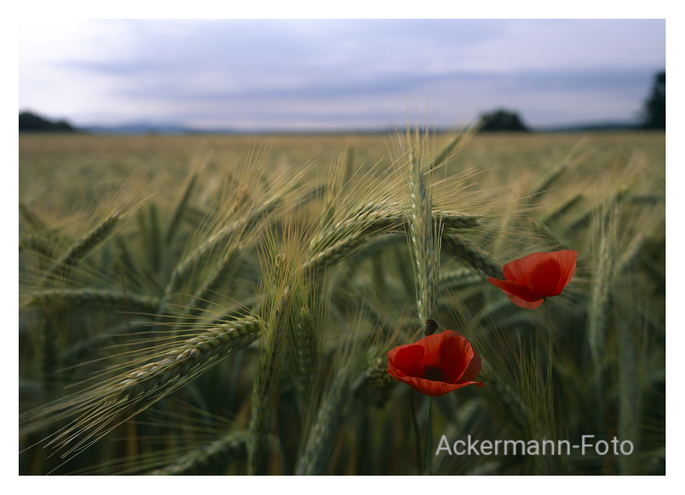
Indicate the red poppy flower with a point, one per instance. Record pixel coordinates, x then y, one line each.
532 278
435 365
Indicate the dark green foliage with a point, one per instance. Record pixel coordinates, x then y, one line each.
502 121
654 112
31 122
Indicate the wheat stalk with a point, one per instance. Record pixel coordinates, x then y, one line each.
319 442
629 396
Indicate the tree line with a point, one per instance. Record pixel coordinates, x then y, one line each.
653 115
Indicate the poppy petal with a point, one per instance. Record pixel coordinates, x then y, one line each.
431 345
406 359
524 304
544 277
567 260
518 269
515 288
472 370
455 355
434 388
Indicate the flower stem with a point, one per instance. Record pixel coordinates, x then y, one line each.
551 347
416 430
429 437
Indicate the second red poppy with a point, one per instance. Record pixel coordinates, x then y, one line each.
530 279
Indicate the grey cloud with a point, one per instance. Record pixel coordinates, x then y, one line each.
264 64
325 85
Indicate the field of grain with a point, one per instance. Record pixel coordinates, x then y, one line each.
226 304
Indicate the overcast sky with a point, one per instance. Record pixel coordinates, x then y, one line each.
252 75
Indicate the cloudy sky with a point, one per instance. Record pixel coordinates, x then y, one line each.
253 75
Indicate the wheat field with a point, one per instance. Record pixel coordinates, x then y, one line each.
225 304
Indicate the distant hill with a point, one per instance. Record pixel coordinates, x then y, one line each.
144 128
32 122
587 127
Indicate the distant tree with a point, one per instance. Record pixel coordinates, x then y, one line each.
502 120
31 122
654 112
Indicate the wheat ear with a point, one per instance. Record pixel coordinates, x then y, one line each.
305 349
630 253
212 458
154 240
599 297
563 209
207 248
374 385
180 207
37 244
598 309
370 221
426 256
459 278
547 180
470 254
94 298
268 375
368 218
217 342
31 218
103 407
214 280
86 244
444 153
